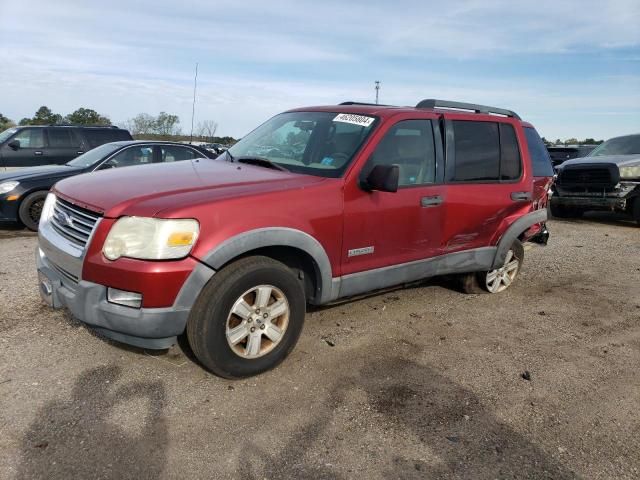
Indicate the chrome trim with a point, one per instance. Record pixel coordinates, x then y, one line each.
65 250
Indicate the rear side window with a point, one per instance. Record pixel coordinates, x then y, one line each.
61 138
477 151
99 136
485 152
176 154
541 163
509 153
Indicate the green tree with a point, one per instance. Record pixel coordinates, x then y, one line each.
571 141
44 116
5 122
87 116
558 142
167 124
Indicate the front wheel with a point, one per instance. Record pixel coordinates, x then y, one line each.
31 209
499 279
248 317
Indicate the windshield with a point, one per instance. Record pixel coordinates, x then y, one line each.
93 156
629 145
7 133
314 143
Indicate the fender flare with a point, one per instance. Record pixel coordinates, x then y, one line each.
275 237
514 231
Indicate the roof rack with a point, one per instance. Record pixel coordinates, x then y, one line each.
364 103
433 103
77 125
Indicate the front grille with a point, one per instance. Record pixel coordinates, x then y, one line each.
585 176
68 275
72 222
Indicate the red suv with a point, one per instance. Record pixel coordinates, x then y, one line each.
315 205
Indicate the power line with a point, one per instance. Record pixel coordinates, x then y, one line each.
377 90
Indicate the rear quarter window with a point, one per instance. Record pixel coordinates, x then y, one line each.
540 160
99 136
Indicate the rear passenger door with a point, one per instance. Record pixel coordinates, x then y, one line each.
486 180
64 145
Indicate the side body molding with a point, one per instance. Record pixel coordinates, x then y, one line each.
275 237
514 231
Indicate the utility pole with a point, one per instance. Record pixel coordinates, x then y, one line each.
377 90
193 108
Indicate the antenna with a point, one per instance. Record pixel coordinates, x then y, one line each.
193 108
377 90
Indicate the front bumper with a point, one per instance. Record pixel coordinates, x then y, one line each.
596 203
152 328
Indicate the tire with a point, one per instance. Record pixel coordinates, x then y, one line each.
562 211
31 208
635 211
480 282
236 288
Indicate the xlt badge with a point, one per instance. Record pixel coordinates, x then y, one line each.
354 252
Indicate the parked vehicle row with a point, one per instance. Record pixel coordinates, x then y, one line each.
316 205
23 191
560 154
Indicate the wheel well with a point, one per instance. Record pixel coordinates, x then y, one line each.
296 259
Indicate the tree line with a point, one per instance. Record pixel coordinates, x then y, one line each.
571 141
164 126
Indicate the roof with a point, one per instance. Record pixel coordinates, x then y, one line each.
429 105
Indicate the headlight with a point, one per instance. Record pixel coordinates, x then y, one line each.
150 238
47 208
625 172
6 187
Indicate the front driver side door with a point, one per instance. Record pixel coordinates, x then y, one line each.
385 228
32 151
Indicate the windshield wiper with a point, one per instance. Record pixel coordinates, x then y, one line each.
261 161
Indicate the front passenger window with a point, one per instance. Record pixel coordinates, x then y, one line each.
131 156
30 138
408 144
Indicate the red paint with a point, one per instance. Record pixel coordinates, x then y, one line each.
228 199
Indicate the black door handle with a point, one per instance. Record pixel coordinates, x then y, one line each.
430 201
521 196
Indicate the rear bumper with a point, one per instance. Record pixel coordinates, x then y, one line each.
153 328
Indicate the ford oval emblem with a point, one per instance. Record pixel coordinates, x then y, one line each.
64 219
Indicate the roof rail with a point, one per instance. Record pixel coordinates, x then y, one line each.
364 103
433 103
78 125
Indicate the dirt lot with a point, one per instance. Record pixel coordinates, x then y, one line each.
418 383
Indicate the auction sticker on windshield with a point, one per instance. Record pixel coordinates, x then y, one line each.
361 120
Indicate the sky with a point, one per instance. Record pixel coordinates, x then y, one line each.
572 68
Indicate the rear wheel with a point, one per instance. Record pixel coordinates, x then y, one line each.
248 317
31 209
499 279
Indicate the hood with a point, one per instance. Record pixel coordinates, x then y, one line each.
36 173
619 160
146 190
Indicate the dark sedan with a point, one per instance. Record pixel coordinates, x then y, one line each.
22 192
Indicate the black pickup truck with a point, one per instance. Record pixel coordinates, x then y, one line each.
607 179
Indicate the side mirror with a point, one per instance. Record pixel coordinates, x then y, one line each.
14 145
383 178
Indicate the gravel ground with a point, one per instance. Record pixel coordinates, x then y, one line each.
420 383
